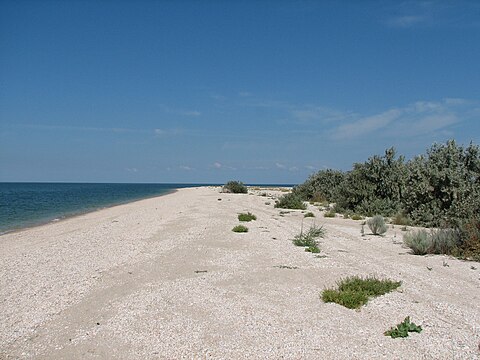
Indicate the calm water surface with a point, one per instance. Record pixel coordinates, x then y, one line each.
28 204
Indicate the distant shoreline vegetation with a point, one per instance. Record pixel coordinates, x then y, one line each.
438 189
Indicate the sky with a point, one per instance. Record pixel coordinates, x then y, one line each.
211 91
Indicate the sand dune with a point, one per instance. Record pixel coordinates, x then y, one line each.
166 278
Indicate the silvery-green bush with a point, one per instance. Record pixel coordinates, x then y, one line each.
377 225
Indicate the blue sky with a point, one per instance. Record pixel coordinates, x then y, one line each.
208 91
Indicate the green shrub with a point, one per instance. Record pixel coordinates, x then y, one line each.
309 214
445 241
246 217
290 201
240 229
375 186
321 186
400 219
235 187
470 237
403 329
353 292
418 241
377 225
442 241
357 217
329 214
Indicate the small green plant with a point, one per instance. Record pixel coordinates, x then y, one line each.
290 201
356 217
377 225
313 249
309 214
246 217
329 214
403 329
353 292
235 187
309 238
240 229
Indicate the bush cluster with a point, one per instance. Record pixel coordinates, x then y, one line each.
440 241
235 187
290 201
440 188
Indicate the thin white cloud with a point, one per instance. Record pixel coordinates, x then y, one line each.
418 118
181 112
310 167
319 113
406 21
186 168
366 125
280 166
217 165
134 170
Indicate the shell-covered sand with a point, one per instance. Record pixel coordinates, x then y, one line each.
166 278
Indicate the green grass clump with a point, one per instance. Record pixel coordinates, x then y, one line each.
246 217
235 187
403 329
356 217
309 238
240 229
309 214
377 225
290 201
353 292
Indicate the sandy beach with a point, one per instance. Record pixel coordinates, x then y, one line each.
166 278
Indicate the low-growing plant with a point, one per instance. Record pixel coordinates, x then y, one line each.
290 201
240 229
329 214
353 292
402 329
309 238
377 225
246 217
309 214
357 217
313 249
235 187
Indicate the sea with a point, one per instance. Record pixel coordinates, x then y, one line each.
29 204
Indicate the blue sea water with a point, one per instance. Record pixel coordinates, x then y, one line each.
28 204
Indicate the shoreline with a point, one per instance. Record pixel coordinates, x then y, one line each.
80 213
166 277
